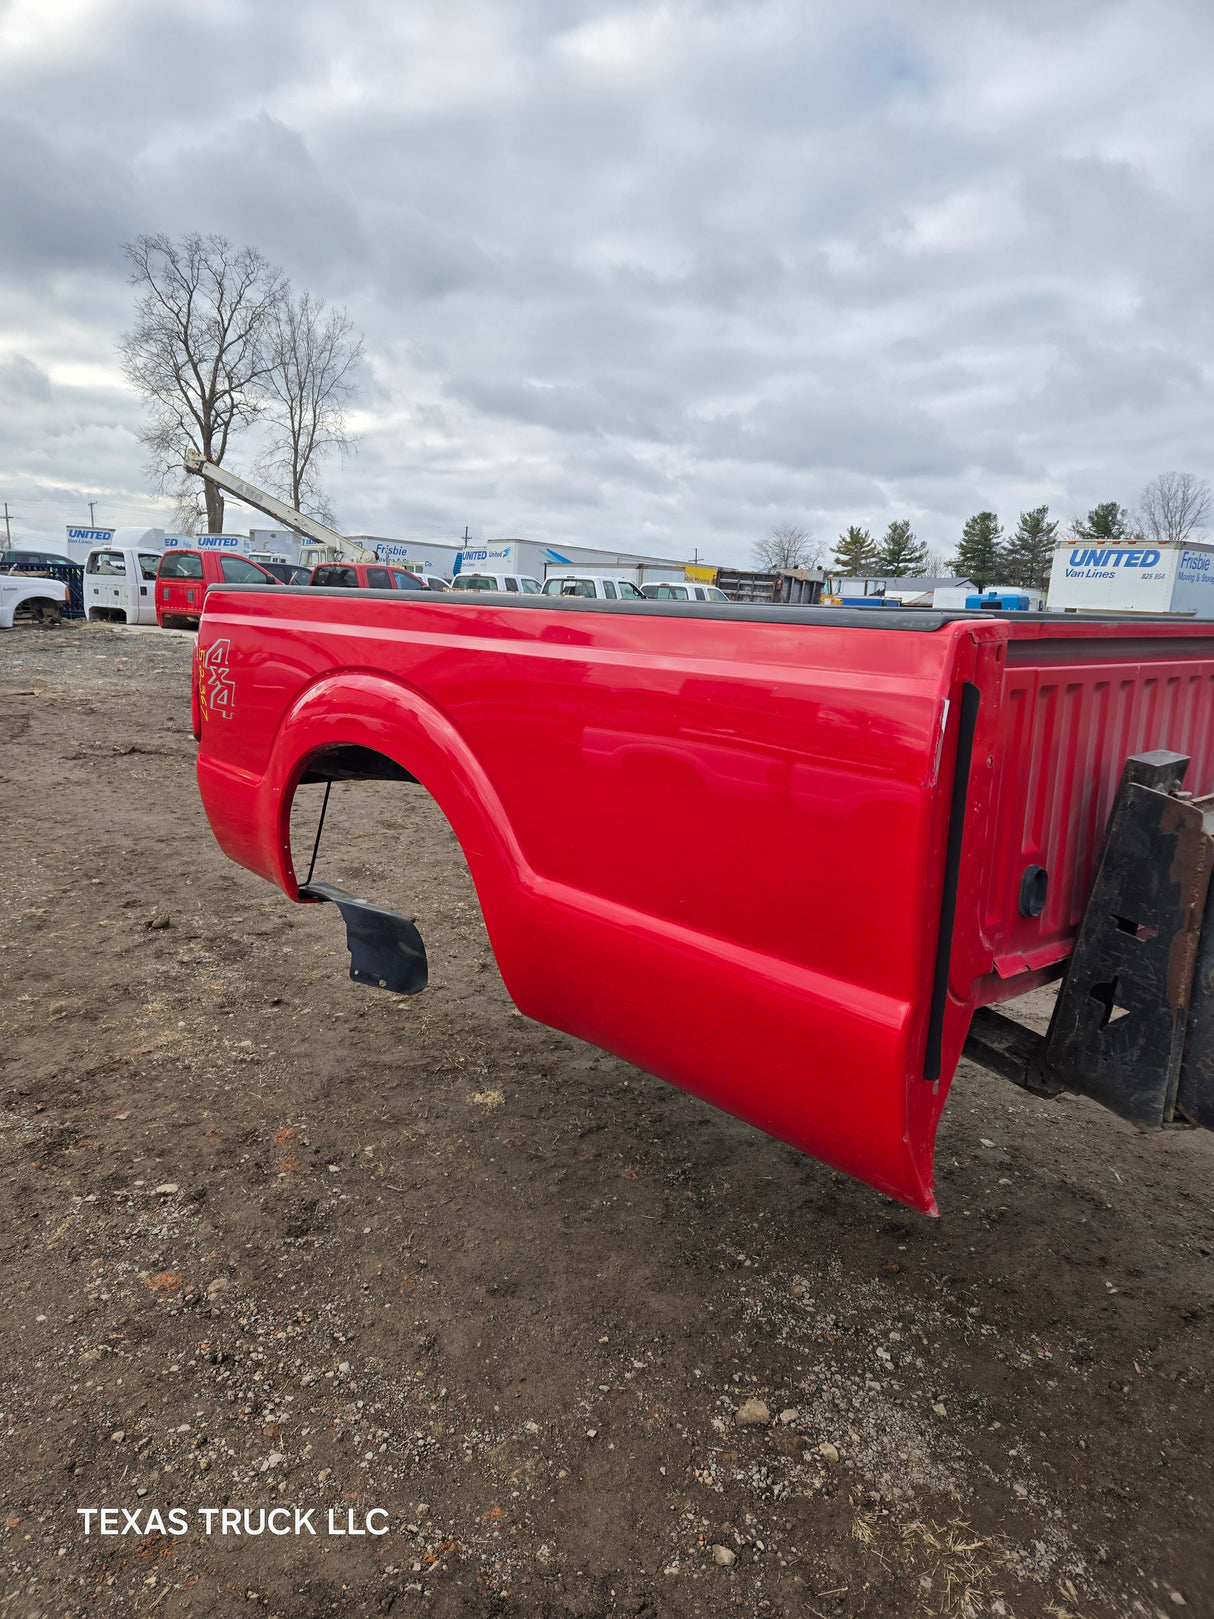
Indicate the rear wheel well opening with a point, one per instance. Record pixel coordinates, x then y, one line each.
386 841
349 761
356 780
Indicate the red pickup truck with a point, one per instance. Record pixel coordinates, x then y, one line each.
364 576
183 577
930 812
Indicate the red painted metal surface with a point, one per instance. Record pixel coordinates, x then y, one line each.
791 982
1072 713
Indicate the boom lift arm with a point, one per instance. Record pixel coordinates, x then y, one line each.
318 533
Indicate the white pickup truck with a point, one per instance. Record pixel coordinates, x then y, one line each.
597 586
29 596
120 584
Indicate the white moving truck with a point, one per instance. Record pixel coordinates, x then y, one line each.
529 558
80 541
431 559
1143 578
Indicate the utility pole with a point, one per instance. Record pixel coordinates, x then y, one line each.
92 519
8 529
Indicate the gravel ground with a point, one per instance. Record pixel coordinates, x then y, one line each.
580 1344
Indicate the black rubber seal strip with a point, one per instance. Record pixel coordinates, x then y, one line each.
952 871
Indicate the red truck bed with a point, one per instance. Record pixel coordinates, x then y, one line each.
818 977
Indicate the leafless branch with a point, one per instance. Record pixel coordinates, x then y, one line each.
312 354
785 545
197 349
1173 505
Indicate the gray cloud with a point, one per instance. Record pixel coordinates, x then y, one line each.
652 274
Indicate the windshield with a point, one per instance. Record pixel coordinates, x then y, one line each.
110 562
149 561
531 587
569 587
476 581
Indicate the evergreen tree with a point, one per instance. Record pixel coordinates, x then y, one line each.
901 554
856 554
1030 551
1106 524
980 554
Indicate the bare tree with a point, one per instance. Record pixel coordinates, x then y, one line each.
196 350
1173 505
312 357
785 545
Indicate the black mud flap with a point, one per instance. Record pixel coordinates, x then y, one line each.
1133 1025
386 950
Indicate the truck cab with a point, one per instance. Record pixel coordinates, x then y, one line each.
515 584
287 573
671 590
594 586
120 584
183 577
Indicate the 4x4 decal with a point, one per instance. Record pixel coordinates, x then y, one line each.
217 688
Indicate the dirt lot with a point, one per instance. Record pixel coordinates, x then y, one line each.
272 1238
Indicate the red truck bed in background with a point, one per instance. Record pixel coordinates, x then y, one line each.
820 981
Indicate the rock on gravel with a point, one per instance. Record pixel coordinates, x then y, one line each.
723 1557
752 1414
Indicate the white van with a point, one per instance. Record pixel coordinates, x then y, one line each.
670 590
517 583
596 586
120 584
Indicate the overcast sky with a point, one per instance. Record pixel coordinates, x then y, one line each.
655 275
